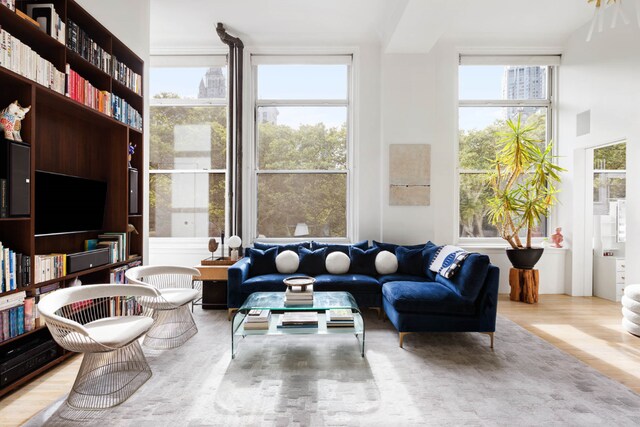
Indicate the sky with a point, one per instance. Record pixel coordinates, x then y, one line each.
274 82
299 82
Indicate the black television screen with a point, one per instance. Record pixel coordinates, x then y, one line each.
68 204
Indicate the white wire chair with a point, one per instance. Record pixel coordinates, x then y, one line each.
104 322
174 323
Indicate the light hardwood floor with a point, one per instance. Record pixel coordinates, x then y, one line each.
588 328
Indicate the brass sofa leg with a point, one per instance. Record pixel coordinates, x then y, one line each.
230 312
402 335
490 336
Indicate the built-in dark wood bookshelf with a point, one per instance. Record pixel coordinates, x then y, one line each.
65 136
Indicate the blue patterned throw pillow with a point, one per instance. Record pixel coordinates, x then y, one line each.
448 260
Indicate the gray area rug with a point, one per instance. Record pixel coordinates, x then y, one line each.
437 379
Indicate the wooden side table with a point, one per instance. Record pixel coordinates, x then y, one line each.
214 286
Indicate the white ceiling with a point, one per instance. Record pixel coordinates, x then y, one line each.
407 26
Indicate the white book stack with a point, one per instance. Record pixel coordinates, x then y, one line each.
257 320
340 318
295 296
298 319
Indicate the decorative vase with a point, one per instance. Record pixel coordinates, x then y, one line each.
524 259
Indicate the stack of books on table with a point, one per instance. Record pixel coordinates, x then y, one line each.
257 320
298 319
295 296
339 317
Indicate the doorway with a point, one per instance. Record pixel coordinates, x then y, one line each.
609 184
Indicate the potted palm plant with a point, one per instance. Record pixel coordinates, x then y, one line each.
523 181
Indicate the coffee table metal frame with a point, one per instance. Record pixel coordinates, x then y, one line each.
274 301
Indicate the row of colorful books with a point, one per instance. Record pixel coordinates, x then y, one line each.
126 76
15 271
21 59
81 90
123 306
19 311
49 267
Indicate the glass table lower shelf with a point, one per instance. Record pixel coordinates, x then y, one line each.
274 301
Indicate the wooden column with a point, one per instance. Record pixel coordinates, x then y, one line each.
524 285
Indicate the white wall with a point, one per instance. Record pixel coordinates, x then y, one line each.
127 20
409 117
601 76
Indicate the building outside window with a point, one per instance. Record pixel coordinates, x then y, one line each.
489 94
188 137
301 160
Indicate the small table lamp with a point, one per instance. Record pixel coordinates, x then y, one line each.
234 243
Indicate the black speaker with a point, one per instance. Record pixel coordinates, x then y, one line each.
133 191
15 168
85 260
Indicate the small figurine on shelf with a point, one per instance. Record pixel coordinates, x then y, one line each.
10 119
557 238
132 149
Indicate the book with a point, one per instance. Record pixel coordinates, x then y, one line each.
12 300
12 270
90 244
281 325
29 315
20 320
5 324
292 318
336 314
256 326
122 243
257 316
4 206
13 322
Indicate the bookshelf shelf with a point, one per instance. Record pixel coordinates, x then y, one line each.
44 44
73 276
66 136
38 329
37 372
95 75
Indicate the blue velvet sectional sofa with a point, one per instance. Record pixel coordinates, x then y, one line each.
414 298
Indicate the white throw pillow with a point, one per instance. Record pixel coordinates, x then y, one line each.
337 263
632 292
386 263
287 262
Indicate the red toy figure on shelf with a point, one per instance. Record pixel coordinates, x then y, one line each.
557 238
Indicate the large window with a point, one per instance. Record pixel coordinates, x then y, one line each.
188 136
301 175
488 96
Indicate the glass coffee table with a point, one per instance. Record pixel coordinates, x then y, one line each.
274 301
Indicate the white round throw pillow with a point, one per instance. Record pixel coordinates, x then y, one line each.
632 292
287 262
386 263
337 263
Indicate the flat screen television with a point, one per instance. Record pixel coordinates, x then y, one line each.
68 204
